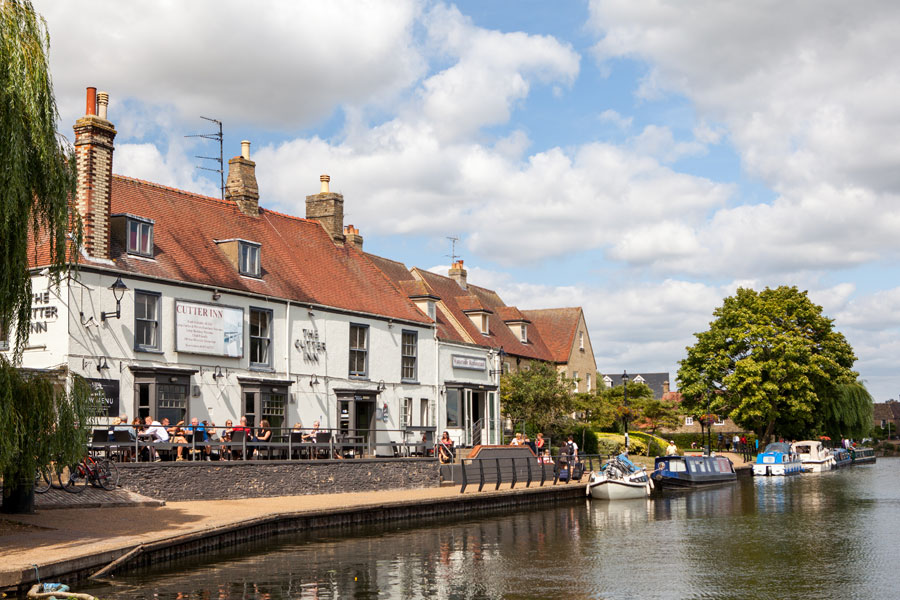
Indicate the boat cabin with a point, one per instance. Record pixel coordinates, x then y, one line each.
689 471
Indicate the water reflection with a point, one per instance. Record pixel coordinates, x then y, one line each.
811 536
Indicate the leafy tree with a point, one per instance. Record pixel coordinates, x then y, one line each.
848 412
659 414
768 361
538 395
613 399
38 419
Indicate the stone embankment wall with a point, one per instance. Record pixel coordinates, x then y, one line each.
176 481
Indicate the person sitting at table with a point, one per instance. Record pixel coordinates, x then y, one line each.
122 425
157 434
226 437
516 441
263 434
248 436
310 436
198 435
176 436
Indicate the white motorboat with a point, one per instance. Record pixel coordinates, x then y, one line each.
814 457
619 479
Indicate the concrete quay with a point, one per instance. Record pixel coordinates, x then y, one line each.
68 544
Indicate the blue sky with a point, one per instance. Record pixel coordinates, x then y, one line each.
642 160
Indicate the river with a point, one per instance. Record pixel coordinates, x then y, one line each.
830 535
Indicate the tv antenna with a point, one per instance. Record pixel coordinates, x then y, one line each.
214 137
453 256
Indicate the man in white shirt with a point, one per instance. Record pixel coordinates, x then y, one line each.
157 434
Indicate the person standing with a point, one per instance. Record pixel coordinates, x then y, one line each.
671 449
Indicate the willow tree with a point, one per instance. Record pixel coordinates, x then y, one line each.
769 360
847 412
39 418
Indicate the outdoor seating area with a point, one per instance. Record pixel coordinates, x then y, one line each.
204 442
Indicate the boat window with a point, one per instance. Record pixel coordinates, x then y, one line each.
724 467
677 466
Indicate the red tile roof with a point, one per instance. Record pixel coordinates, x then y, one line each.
557 326
455 299
298 259
510 314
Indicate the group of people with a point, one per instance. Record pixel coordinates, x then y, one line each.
199 433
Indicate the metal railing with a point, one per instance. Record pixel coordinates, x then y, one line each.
283 443
510 469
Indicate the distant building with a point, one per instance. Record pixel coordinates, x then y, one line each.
658 382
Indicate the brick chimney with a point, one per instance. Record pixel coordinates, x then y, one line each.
351 235
94 137
327 208
665 387
241 183
458 274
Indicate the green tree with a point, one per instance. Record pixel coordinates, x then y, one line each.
659 414
38 419
848 412
613 399
768 361
538 395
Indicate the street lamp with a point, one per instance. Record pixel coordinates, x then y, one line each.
625 398
118 289
708 426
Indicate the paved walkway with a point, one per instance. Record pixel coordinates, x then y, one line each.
72 534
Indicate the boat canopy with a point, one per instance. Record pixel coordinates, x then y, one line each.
782 447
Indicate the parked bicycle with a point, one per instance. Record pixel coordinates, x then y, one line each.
99 472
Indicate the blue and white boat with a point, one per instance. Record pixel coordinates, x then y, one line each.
778 459
619 479
841 458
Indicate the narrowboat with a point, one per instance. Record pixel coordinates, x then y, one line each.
814 457
619 479
777 459
692 471
841 458
861 455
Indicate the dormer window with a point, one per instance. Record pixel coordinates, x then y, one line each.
136 233
523 334
249 259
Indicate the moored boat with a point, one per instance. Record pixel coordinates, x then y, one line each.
814 457
841 458
692 471
862 455
619 479
777 459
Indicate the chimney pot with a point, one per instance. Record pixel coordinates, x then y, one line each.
102 103
245 149
91 107
324 179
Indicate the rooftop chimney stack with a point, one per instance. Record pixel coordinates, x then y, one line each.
241 184
327 208
665 387
94 147
458 274
351 235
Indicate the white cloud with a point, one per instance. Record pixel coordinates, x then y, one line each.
281 64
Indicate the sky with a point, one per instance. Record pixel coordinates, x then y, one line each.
642 160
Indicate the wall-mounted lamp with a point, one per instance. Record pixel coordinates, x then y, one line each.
381 387
390 323
314 380
217 372
102 364
84 363
216 295
118 289
310 313
500 355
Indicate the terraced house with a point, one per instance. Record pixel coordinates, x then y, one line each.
189 306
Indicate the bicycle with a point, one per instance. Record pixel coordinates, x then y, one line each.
48 476
97 472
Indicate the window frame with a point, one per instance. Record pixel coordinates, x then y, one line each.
140 347
158 385
414 356
364 351
256 365
140 225
406 412
688 421
254 254
523 333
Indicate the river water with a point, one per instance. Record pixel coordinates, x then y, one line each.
830 535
